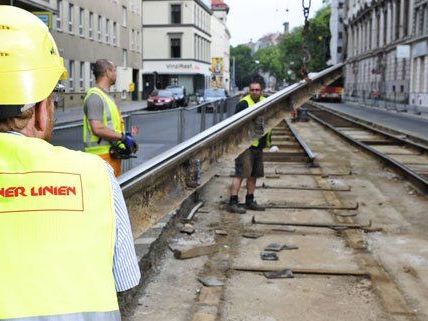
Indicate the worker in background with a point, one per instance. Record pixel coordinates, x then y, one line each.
66 246
249 164
103 125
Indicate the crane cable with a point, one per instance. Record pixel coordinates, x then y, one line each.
306 56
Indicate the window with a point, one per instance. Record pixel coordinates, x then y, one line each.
99 28
60 14
339 49
175 47
71 72
131 39
82 76
107 30
81 20
176 13
124 57
70 17
91 75
340 35
91 25
114 36
124 16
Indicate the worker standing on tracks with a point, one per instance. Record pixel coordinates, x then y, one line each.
103 125
249 164
65 240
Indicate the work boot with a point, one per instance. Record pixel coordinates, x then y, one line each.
251 204
254 206
233 206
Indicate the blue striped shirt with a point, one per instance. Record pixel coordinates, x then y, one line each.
125 266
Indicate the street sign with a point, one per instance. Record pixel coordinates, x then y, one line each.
403 51
45 16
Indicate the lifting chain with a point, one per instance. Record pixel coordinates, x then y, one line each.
306 57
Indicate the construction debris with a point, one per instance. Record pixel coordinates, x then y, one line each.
195 251
276 247
210 281
269 256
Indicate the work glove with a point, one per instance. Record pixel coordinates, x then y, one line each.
274 149
130 143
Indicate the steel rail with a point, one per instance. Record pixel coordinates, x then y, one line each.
271 109
382 130
303 145
420 182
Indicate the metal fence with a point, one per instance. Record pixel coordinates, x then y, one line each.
158 131
389 95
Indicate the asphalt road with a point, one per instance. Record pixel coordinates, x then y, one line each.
157 132
408 124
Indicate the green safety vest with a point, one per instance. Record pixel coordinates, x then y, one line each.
256 142
57 233
111 119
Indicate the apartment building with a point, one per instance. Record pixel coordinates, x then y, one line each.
220 46
337 28
418 95
378 56
87 30
177 44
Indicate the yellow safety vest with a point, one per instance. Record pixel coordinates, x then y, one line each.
256 142
111 119
57 233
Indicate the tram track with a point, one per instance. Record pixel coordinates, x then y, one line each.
330 253
407 157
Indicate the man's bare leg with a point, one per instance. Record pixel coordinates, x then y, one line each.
233 206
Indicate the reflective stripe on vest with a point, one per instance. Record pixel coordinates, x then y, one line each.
87 316
57 233
251 103
111 119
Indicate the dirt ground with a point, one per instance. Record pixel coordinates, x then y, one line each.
399 292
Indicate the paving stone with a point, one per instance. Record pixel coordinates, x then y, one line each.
210 295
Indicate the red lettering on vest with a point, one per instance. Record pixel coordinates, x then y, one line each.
12 191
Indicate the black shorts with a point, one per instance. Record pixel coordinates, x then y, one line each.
250 164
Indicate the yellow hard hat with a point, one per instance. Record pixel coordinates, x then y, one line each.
30 66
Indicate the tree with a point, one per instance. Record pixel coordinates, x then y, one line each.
245 66
270 61
317 41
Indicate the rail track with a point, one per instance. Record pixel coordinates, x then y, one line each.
307 207
407 157
324 271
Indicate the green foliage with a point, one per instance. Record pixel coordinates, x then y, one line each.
284 61
270 61
245 66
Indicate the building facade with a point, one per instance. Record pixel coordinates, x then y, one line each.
177 44
419 55
84 32
337 28
220 46
378 60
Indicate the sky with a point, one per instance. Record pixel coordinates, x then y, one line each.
252 19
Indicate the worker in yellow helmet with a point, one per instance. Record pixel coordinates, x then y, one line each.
65 237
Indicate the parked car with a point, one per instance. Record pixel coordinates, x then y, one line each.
213 94
180 94
161 99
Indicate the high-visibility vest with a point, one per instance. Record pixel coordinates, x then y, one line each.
57 233
256 142
111 119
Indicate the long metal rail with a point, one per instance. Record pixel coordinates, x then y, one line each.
234 132
415 172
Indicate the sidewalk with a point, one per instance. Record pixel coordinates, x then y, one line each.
75 114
